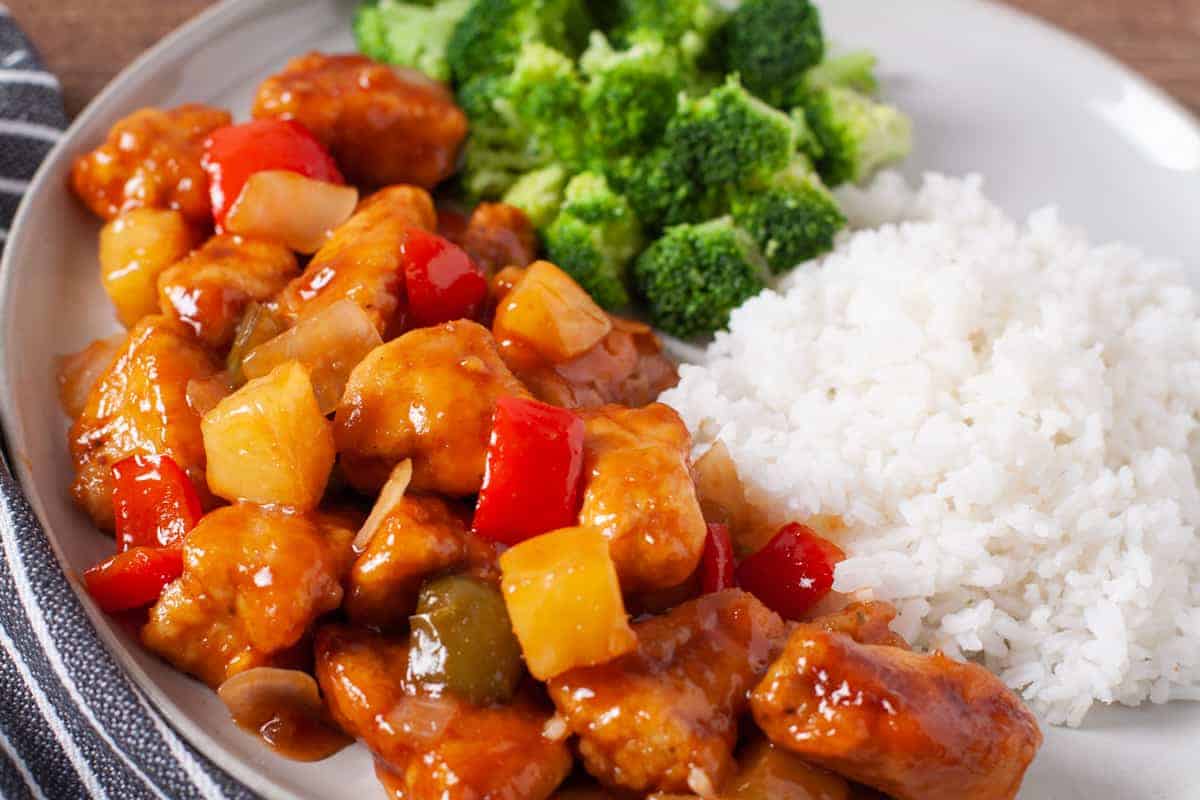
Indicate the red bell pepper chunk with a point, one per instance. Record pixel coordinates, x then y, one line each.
134 578
793 572
442 281
154 502
716 566
233 153
534 477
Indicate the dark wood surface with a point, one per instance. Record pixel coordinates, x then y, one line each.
88 41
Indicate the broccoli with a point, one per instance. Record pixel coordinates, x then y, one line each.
630 94
729 137
489 38
661 193
850 71
856 134
691 24
539 194
695 275
409 34
594 238
793 217
546 95
772 44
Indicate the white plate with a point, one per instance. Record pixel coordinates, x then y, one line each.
1042 116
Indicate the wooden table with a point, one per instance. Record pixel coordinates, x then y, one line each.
88 41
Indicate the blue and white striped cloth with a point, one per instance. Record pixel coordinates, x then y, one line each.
72 725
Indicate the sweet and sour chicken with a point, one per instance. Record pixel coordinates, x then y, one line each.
376 472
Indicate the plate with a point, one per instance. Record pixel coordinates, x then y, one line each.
1042 116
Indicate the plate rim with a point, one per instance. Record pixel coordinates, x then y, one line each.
197 32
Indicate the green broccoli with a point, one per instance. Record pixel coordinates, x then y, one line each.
771 44
850 71
660 192
793 217
539 194
489 38
695 275
690 24
630 94
594 238
857 135
729 137
409 34
546 95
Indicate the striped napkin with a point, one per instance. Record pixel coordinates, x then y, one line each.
72 725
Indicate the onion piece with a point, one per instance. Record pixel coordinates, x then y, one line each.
423 718
284 708
296 211
329 344
723 499
204 394
78 372
392 493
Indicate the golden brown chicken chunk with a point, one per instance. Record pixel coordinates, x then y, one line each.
209 290
428 396
665 717
383 125
499 235
254 580
151 159
361 260
139 406
419 537
917 727
435 746
639 493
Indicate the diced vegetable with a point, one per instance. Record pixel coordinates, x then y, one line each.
392 493
154 502
534 477
723 499
793 572
565 602
552 314
329 344
233 153
269 443
462 641
291 209
134 249
767 772
258 325
716 567
134 578
284 708
442 281
78 372
205 394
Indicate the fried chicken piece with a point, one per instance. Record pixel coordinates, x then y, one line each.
361 260
664 718
151 159
638 492
439 747
917 727
254 581
209 290
139 406
499 235
384 125
865 623
419 537
429 396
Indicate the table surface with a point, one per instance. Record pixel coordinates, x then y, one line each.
1159 38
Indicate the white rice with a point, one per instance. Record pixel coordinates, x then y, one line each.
1007 418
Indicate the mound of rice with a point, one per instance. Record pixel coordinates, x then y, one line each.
1006 417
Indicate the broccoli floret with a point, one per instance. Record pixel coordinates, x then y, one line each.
489 38
793 217
771 44
850 71
695 275
539 194
857 135
630 94
409 34
546 94
594 238
690 24
729 137
662 194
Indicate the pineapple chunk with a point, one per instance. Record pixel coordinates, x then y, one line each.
268 442
551 313
134 248
565 602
